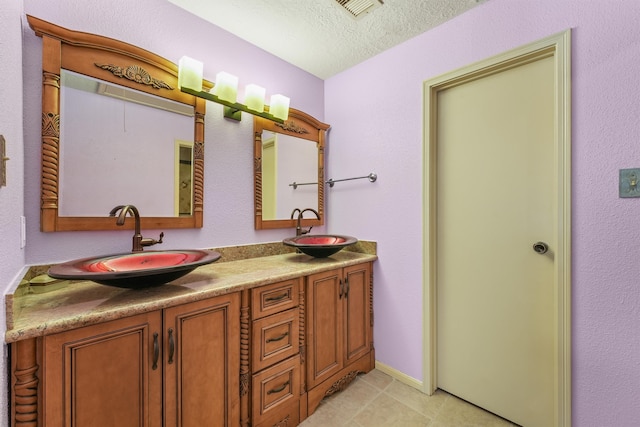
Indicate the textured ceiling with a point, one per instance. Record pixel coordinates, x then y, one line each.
319 36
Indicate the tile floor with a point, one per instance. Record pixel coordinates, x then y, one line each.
378 400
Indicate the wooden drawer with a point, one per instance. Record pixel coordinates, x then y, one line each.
274 298
275 338
287 416
276 392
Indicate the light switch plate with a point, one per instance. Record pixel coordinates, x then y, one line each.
629 185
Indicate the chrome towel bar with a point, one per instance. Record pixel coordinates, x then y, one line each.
372 178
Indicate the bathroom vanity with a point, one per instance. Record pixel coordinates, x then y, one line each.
249 342
254 340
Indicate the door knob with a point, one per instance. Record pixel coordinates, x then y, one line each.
540 247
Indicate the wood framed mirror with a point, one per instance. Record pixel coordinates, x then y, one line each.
288 170
148 167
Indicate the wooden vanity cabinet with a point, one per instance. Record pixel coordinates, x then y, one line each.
275 354
339 330
179 365
104 374
201 383
261 356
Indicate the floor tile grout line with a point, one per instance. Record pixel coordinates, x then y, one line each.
363 408
354 415
408 406
372 385
381 391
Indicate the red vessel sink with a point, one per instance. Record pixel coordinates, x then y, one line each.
320 245
135 269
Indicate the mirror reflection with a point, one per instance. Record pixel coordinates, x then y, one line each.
289 169
289 175
184 178
123 133
146 155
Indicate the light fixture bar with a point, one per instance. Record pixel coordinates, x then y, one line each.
232 109
225 92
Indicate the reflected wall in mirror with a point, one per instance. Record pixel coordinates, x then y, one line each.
289 170
131 147
116 130
289 175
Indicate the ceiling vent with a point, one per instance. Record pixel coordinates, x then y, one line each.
359 8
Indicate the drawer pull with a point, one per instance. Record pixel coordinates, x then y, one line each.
277 298
278 389
280 338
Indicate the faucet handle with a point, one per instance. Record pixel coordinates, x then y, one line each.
307 231
150 242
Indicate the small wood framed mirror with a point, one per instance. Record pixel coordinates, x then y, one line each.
112 117
288 170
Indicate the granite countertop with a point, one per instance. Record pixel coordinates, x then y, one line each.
83 303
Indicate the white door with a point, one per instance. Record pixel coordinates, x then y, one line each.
496 209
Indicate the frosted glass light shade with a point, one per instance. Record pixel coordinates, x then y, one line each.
226 87
190 73
279 106
254 97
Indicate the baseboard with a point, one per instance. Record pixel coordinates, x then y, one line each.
402 377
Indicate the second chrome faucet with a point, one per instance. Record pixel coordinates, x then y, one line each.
139 242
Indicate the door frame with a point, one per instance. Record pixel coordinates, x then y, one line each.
559 47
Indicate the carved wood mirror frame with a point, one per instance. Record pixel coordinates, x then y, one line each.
122 64
299 125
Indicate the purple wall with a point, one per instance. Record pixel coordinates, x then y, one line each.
375 110
12 257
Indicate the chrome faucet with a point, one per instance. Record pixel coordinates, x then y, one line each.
299 230
139 242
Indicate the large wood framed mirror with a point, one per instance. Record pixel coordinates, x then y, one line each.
288 170
116 130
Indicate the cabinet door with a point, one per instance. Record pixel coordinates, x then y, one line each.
357 314
202 363
324 326
103 375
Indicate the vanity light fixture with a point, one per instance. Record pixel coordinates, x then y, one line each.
279 106
225 92
190 73
226 87
254 97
